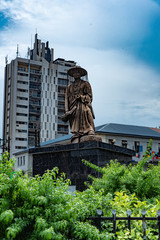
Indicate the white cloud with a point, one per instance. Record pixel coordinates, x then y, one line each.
125 89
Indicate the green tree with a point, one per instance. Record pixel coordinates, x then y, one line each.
43 208
131 179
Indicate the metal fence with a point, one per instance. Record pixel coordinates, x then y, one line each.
98 219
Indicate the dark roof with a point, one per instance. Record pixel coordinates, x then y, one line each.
50 142
128 130
57 140
110 129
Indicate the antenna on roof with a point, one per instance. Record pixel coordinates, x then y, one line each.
17 53
28 52
6 59
31 41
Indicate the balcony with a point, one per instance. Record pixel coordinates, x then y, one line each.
61 98
34 102
35 79
61 106
35 87
34 71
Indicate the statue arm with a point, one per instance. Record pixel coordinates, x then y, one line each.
87 97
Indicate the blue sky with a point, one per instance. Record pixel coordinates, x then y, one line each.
117 41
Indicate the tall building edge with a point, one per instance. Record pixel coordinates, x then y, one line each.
4 109
34 98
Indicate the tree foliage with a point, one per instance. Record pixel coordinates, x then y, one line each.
42 207
131 179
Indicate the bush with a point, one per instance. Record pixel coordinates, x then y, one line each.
43 208
131 179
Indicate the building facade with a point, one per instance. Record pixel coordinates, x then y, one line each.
34 98
130 137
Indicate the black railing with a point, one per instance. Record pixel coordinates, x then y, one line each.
98 219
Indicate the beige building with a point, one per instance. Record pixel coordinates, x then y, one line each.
130 136
34 98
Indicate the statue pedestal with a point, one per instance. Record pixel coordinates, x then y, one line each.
88 138
68 158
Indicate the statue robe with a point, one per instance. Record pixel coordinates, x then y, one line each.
78 101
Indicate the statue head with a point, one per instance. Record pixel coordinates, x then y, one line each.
77 72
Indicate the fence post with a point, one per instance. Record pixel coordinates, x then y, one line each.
129 219
99 212
144 223
114 221
158 219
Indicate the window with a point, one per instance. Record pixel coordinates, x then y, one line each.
63 73
21 139
23 160
20 161
20 147
47 86
21 130
137 146
111 141
62 82
158 149
47 102
20 122
23 69
22 98
22 74
124 143
21 114
22 90
21 106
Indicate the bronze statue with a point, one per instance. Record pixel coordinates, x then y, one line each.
78 106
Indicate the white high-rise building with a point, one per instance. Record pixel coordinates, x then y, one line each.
34 98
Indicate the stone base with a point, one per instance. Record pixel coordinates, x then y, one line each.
88 138
68 158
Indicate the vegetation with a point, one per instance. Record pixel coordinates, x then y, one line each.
43 208
131 179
